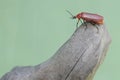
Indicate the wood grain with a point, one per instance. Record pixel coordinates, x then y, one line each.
77 59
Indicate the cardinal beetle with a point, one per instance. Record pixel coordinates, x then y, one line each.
88 17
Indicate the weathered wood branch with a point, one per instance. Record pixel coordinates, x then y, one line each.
77 59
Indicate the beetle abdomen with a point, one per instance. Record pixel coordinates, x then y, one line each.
89 17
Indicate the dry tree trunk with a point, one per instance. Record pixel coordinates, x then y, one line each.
77 59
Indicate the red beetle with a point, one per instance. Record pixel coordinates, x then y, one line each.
88 17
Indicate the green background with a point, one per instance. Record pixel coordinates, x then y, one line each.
31 31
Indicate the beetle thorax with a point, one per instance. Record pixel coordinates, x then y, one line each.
79 15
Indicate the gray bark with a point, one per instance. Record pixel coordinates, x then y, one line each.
77 59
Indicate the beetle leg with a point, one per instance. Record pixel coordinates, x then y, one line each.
77 23
85 23
81 21
97 28
94 24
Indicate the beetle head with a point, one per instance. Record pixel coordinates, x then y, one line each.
74 17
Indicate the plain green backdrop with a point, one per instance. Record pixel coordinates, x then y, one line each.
31 31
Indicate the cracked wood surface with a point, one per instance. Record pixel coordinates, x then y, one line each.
77 59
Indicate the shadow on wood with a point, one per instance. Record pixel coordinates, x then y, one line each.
77 59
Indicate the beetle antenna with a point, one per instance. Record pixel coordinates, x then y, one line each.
73 17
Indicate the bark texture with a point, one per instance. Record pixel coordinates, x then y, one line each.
77 59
